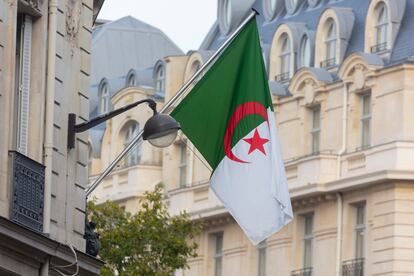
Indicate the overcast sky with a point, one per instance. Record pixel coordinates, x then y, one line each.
186 22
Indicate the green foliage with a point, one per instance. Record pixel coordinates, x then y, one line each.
150 242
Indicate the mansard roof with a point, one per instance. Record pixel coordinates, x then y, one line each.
402 50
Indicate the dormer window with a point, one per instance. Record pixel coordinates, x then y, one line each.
330 45
104 97
272 8
284 59
305 52
160 81
382 26
333 37
131 79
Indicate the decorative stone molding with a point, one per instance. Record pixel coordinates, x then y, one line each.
309 81
358 68
213 222
73 16
311 201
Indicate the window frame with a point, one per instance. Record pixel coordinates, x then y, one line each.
104 97
366 118
218 254
359 230
303 49
160 79
331 44
131 80
308 237
285 58
134 156
381 27
182 166
315 129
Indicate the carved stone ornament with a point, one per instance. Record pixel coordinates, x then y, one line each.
73 16
309 91
359 77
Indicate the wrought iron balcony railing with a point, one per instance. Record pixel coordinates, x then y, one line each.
284 77
382 47
328 63
353 267
307 271
28 181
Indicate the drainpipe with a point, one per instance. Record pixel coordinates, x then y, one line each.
339 234
50 104
338 175
48 140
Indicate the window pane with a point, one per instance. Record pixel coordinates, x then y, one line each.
366 104
359 230
218 257
307 262
307 241
183 165
366 120
316 117
366 126
305 52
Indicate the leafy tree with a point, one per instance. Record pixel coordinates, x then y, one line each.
150 242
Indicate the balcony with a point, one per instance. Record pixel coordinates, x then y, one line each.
307 271
381 47
284 77
353 267
28 181
328 63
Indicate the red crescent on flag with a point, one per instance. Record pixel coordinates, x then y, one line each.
243 110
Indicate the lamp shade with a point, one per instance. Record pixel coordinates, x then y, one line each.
161 130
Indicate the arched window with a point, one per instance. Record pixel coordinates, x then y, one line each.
305 52
284 59
383 23
381 28
134 156
131 80
160 81
195 67
104 97
330 44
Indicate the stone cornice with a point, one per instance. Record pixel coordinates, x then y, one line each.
37 246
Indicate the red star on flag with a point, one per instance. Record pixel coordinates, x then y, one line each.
256 142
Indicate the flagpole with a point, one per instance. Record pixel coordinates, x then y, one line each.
171 102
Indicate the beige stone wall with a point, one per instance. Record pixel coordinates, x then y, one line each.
71 84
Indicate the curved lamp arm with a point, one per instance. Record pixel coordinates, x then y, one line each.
74 128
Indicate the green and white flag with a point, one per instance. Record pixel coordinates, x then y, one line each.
229 118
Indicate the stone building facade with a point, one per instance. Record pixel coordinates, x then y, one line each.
45 49
341 77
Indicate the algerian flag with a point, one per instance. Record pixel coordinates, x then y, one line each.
229 118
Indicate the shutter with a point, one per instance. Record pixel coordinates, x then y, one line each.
24 82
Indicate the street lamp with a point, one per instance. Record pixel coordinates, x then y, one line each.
160 130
